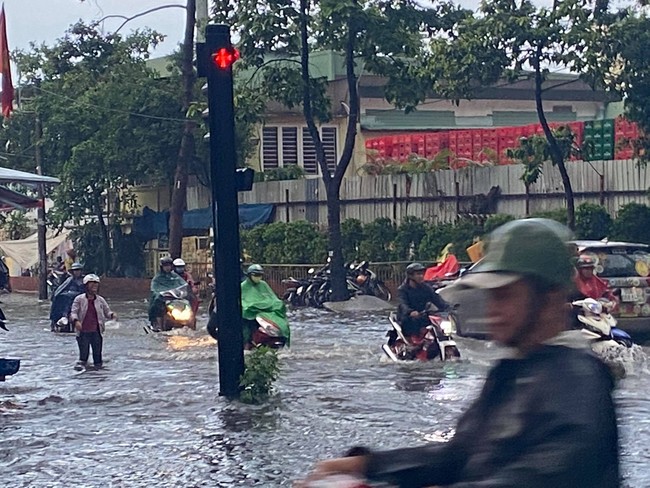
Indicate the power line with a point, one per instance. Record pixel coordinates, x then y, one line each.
115 110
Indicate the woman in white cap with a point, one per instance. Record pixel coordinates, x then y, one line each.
89 314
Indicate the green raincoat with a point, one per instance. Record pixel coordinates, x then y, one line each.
260 299
161 283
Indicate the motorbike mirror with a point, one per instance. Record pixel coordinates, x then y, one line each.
462 271
311 271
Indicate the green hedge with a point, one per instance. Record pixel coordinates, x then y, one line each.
301 242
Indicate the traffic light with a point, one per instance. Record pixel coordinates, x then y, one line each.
225 57
214 61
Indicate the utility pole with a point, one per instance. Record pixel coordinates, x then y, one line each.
214 61
40 214
201 19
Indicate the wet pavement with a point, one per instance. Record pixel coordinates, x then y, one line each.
154 417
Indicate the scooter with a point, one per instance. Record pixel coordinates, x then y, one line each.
8 367
434 341
265 333
178 310
597 323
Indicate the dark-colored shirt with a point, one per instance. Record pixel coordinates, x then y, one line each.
415 299
91 321
544 420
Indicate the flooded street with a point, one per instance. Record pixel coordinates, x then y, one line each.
154 417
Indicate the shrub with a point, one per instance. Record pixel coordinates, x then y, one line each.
261 370
558 214
632 223
496 220
351 235
274 242
592 222
436 238
303 243
252 244
378 237
409 233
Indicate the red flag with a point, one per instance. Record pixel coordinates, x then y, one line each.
7 96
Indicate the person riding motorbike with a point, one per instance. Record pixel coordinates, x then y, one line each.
414 296
587 283
65 294
179 269
257 298
165 280
545 416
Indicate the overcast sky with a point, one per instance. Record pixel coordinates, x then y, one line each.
47 20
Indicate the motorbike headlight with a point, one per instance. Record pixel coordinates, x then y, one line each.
448 326
181 314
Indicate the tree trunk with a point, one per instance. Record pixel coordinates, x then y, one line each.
332 181
556 153
527 185
106 245
186 152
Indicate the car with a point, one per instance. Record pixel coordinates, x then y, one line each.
625 266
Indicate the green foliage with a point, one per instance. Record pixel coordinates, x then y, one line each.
378 237
293 172
435 239
88 242
252 244
298 242
261 370
496 220
15 224
632 223
351 235
592 222
415 164
559 214
409 235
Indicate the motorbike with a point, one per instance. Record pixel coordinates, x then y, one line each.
60 311
8 367
367 281
178 309
54 280
265 332
294 294
597 323
435 341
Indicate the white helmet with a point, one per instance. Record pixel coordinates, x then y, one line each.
179 262
91 277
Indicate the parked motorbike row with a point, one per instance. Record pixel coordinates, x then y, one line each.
316 288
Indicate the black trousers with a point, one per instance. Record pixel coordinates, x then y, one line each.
87 339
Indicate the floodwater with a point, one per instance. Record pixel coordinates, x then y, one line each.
154 417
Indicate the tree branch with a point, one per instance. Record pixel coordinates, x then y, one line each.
141 14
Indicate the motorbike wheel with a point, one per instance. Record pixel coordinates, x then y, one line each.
382 292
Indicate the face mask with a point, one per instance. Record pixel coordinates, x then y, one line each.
256 279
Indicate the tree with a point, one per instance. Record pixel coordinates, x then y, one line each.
535 150
106 121
187 146
278 37
618 59
498 43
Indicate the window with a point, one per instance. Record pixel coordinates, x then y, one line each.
270 147
290 145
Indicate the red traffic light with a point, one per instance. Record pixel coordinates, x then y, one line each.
225 57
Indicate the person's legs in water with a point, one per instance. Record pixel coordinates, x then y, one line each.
83 341
97 341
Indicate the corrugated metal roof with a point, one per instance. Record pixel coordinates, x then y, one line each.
506 118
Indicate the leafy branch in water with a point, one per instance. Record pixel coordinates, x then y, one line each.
260 373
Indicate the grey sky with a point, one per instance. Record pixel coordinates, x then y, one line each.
47 20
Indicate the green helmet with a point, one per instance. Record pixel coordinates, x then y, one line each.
255 269
526 248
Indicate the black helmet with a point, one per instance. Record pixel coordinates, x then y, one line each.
414 268
166 261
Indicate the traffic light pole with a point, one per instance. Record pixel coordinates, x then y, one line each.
225 209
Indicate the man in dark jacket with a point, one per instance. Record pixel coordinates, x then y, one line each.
545 416
414 295
65 295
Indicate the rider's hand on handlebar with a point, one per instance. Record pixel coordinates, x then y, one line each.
414 314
